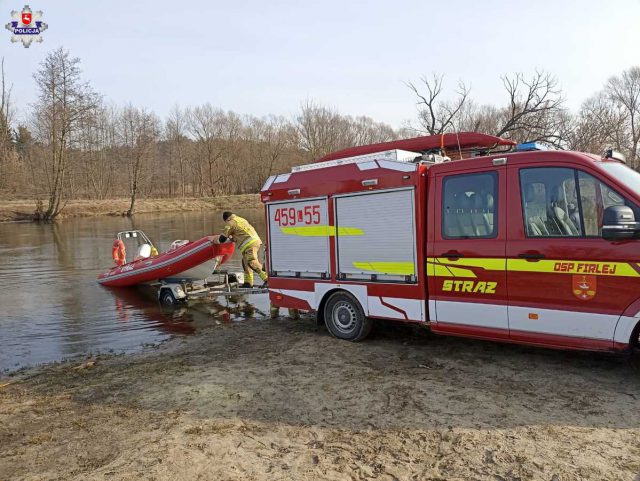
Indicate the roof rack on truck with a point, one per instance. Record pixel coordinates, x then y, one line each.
459 143
430 149
385 156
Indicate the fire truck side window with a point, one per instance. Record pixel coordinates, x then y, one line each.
595 197
553 206
550 202
469 206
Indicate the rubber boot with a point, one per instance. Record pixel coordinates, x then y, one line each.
274 311
265 279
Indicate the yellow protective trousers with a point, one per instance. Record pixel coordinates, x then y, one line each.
251 262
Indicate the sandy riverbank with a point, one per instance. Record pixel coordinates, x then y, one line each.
19 210
282 400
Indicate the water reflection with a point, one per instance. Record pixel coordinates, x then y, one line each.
140 303
52 308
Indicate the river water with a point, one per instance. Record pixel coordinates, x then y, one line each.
51 307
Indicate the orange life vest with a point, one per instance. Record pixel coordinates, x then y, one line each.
118 252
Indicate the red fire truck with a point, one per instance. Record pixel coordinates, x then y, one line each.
504 242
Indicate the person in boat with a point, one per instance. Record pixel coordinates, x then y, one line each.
240 231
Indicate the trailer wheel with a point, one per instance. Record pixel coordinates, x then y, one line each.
167 298
345 318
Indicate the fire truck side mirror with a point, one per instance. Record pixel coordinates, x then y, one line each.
618 223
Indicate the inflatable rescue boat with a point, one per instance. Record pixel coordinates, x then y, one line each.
183 260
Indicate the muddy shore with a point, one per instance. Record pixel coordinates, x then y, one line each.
281 399
23 210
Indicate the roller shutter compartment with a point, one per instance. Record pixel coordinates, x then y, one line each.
299 238
376 238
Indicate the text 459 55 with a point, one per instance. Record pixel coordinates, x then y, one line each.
308 215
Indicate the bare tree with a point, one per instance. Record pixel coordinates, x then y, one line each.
139 132
599 124
232 154
364 130
321 130
534 109
176 134
7 149
624 92
97 171
265 142
64 102
435 115
210 128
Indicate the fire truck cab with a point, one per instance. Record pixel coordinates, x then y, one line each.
521 245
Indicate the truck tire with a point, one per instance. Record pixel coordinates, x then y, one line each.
344 317
634 348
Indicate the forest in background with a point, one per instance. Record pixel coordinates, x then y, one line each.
71 143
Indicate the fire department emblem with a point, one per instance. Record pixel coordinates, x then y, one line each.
584 287
26 26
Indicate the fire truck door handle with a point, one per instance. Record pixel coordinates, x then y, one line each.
452 255
531 255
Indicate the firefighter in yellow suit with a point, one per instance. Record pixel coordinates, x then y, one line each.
247 242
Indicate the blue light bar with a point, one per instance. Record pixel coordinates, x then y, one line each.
528 146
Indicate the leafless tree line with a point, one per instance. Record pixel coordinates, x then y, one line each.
534 110
74 145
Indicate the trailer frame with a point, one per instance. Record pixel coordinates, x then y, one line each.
223 283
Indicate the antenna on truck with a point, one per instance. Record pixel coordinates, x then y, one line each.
458 140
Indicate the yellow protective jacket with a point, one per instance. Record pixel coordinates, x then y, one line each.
241 232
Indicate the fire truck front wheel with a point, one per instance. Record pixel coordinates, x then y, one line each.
345 318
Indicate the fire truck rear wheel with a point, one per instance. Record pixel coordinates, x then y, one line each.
634 353
344 317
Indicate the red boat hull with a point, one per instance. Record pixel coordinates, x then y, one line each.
461 140
167 264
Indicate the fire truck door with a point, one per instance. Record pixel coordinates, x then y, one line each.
466 265
568 286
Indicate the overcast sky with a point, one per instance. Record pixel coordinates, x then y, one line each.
261 57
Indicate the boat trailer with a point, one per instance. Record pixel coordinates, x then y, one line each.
222 283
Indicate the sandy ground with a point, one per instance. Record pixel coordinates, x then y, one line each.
282 400
17 210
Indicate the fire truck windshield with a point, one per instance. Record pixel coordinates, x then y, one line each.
624 174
